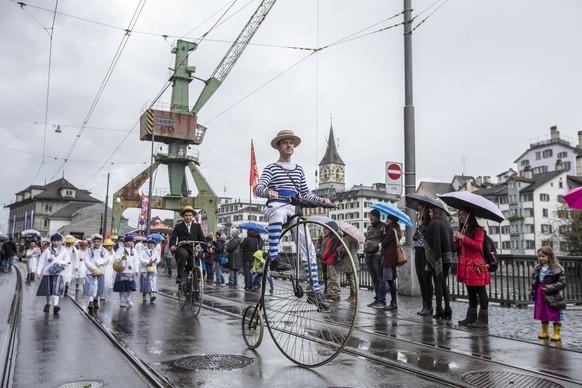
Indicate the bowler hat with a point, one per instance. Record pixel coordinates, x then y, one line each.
285 134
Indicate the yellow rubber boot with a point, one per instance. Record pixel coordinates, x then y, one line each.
556 336
545 334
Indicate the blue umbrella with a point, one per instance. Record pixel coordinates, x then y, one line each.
253 225
155 236
386 209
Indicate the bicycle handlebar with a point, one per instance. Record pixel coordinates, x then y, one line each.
193 242
303 202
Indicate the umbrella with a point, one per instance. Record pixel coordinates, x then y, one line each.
386 209
137 237
30 233
156 236
574 198
413 201
253 225
344 226
480 206
162 230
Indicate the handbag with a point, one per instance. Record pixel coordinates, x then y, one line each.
56 269
401 258
97 271
151 268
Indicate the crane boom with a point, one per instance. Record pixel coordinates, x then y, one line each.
233 54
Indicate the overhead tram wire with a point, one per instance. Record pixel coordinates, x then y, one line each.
429 15
165 36
112 66
48 88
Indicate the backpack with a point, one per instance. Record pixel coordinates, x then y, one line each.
490 253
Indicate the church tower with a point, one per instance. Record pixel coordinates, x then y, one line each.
332 167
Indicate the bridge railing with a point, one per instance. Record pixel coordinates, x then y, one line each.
509 284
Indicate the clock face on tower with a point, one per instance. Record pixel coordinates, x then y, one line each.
324 174
339 174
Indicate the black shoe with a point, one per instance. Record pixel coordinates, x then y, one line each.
46 308
427 313
95 304
56 309
279 265
391 307
448 313
318 301
90 307
439 314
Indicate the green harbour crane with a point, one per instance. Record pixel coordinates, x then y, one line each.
178 128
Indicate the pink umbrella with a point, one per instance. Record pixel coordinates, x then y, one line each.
574 198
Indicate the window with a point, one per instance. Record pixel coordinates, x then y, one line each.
567 166
505 229
545 213
506 244
547 154
540 169
538 155
528 228
48 207
564 229
527 197
493 229
563 214
545 197
530 244
45 223
562 154
525 162
546 228
547 243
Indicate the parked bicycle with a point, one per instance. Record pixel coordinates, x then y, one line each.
305 333
191 290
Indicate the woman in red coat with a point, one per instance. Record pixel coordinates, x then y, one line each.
472 268
391 234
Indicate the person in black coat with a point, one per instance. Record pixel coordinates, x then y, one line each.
248 247
188 230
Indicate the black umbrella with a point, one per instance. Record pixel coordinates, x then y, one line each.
413 201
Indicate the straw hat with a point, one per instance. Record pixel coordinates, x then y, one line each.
70 239
83 242
108 243
285 134
187 209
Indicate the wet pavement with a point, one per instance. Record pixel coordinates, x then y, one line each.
386 349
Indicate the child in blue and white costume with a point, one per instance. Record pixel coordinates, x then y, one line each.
51 265
96 262
148 281
125 280
284 178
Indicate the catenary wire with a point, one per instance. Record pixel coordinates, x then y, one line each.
48 88
429 15
112 66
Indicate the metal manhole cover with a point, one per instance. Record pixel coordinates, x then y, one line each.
82 384
506 379
214 362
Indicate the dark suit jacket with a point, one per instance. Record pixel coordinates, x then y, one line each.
180 233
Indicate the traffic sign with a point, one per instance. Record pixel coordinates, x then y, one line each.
394 178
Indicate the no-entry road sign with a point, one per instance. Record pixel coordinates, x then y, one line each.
394 178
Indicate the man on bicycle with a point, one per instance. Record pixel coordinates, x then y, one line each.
187 230
287 179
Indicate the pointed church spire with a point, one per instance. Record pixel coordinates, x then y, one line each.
331 154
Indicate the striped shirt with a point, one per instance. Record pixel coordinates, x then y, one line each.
275 178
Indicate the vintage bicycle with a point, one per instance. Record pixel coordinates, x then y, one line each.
191 290
304 332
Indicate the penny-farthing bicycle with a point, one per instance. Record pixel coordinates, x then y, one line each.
191 290
305 333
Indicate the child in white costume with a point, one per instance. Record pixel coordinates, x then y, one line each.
68 272
51 265
79 268
125 280
32 254
148 280
109 246
97 260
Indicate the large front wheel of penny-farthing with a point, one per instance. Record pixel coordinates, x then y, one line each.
197 290
304 331
253 326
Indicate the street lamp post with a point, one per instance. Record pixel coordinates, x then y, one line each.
151 186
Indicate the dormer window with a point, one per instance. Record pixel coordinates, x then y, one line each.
70 193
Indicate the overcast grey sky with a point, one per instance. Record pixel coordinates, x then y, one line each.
488 77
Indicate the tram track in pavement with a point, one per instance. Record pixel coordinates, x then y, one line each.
148 373
399 365
11 344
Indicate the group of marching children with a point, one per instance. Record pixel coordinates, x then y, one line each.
96 266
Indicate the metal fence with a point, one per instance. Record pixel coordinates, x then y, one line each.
510 283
